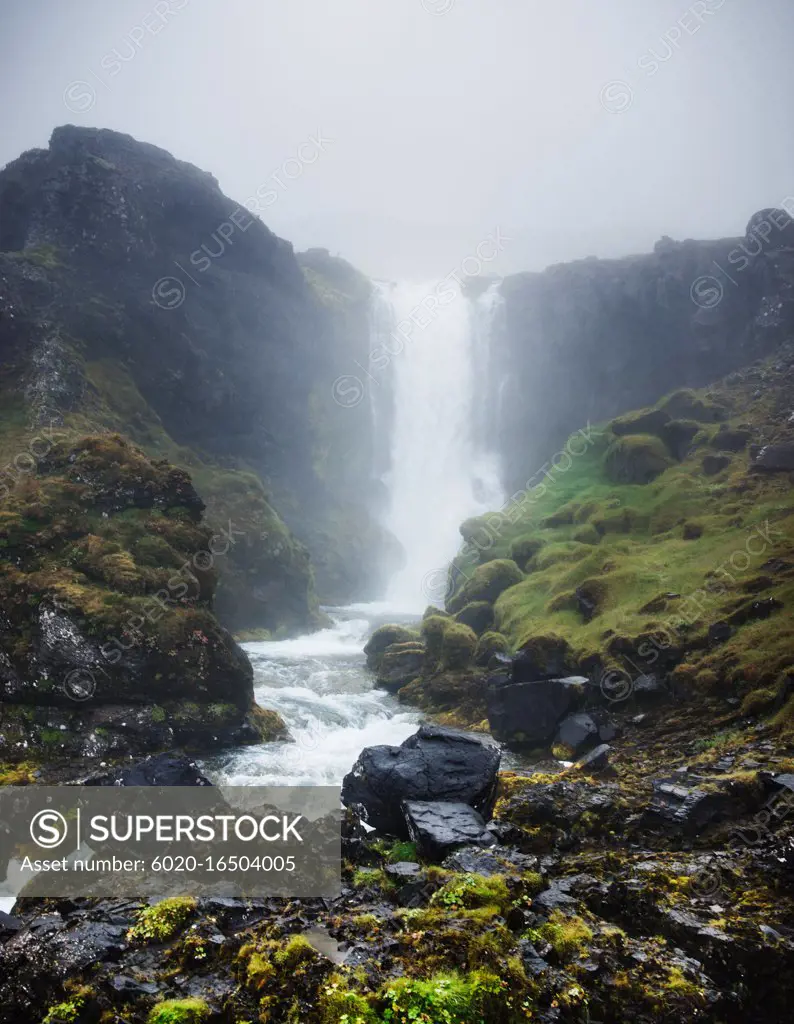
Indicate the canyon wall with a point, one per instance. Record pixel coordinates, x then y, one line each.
588 340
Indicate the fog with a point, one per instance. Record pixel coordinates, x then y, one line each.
576 128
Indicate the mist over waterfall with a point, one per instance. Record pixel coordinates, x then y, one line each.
440 470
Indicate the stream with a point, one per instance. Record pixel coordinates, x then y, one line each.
320 685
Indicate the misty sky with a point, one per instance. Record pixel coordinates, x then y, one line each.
578 127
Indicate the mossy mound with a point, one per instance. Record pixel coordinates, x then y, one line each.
489 645
477 615
107 574
458 646
636 459
524 549
486 583
383 637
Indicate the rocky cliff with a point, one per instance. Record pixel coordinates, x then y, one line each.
591 339
136 297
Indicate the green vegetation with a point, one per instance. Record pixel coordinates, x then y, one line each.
469 891
447 999
162 921
179 1011
568 935
672 556
383 637
458 645
486 583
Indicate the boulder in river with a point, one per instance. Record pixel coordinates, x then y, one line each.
439 827
434 764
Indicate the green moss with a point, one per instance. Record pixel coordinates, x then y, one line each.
523 550
486 583
692 405
480 997
295 951
458 646
179 1011
470 891
569 936
340 1005
162 921
433 629
636 459
478 615
17 774
383 637
402 851
489 645
64 1013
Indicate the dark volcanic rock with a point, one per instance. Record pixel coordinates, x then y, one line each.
438 827
578 731
162 770
433 764
596 760
527 714
399 664
772 458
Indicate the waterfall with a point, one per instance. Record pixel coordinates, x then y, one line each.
440 470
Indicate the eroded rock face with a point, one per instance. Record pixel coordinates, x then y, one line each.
435 764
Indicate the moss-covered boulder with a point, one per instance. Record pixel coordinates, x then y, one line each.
458 646
636 459
400 663
478 615
433 629
488 646
107 576
524 549
731 439
486 583
383 637
679 436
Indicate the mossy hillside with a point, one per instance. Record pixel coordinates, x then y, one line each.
656 576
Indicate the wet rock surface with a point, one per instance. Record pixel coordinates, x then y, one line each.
435 763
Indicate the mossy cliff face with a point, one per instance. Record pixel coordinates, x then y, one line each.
176 318
588 340
109 642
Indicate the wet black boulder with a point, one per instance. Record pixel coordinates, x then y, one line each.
434 764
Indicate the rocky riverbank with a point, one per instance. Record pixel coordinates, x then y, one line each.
657 889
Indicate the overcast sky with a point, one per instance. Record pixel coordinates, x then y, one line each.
578 127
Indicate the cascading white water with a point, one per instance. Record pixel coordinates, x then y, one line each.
440 474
